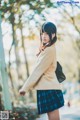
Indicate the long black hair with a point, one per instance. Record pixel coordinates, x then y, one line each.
49 28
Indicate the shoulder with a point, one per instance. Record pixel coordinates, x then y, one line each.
50 50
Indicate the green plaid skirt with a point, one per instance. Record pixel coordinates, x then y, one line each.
49 100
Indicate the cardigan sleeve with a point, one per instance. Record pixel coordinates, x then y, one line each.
42 65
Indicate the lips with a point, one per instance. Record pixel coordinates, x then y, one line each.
44 39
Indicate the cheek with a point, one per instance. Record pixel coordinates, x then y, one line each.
48 38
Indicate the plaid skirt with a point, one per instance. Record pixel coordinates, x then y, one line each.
49 100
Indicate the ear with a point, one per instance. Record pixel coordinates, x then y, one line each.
53 35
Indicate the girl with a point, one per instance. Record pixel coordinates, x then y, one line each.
43 78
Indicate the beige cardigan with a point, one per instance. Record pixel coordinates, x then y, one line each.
43 76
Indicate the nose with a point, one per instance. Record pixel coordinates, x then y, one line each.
44 36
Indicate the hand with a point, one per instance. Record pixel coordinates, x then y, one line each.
22 92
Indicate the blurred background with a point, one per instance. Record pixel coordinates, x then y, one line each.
20 23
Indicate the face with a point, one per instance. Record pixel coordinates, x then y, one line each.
45 37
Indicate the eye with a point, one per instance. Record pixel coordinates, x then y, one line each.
42 33
45 33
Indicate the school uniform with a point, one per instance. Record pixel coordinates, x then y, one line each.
44 81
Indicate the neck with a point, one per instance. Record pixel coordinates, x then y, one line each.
46 44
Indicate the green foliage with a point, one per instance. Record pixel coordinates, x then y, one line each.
35 5
12 1
0 88
23 114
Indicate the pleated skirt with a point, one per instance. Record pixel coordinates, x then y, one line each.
49 100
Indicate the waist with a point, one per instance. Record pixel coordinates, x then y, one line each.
47 82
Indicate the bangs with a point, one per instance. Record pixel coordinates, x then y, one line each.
46 29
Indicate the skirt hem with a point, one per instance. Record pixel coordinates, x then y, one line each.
51 110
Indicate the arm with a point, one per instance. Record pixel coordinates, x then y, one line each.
44 62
